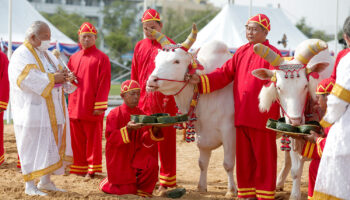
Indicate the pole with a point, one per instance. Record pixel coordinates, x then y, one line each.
9 53
336 29
250 8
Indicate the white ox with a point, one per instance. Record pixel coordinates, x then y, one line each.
215 111
291 94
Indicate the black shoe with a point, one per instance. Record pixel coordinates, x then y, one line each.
176 193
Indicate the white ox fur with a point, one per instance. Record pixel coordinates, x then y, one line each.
215 111
292 94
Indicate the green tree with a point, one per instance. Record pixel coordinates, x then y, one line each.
311 33
69 24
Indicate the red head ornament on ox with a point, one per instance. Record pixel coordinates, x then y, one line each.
289 70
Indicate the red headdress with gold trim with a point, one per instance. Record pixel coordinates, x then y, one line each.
261 19
150 15
325 86
129 85
86 27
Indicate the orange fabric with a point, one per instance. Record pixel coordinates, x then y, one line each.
129 85
261 19
325 86
86 27
150 15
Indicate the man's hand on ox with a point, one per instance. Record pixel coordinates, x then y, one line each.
313 136
192 78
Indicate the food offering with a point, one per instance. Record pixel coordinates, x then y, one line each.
281 126
159 119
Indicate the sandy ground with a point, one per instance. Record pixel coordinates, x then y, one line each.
12 184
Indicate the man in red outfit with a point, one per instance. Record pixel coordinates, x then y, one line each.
314 146
141 68
4 99
132 166
255 145
343 52
87 104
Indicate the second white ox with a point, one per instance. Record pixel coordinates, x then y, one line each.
292 81
214 125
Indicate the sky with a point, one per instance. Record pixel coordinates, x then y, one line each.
319 14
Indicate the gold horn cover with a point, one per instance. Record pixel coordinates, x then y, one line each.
269 55
308 49
191 38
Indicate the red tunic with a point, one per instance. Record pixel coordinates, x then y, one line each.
246 87
4 98
93 71
340 55
128 151
142 67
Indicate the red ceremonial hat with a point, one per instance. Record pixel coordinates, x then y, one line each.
149 15
129 85
261 19
86 27
325 86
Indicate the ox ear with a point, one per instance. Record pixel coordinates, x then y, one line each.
319 67
263 74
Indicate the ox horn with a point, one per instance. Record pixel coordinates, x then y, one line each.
160 37
191 38
269 55
308 49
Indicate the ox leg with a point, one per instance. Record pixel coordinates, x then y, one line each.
282 176
229 146
297 169
203 162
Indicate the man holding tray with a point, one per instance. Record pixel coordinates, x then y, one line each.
132 165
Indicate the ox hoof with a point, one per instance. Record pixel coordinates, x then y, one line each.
230 194
202 189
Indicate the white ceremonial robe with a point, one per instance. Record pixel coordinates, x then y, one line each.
333 178
40 114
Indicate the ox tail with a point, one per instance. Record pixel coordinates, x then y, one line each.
267 96
269 55
308 49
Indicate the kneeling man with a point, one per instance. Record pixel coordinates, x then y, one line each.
131 153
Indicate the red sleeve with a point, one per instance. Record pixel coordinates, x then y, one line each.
310 150
148 137
104 84
134 66
116 133
321 142
4 81
218 78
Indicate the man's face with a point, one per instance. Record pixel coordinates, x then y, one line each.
322 101
87 40
255 33
131 98
44 34
347 40
151 25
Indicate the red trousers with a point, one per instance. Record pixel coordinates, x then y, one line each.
167 157
2 157
146 180
313 168
87 146
256 163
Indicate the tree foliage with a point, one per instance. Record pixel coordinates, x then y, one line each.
67 23
310 32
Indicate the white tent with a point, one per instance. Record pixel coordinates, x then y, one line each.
228 26
23 15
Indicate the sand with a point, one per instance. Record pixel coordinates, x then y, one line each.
12 184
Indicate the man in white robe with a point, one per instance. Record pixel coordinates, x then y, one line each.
40 116
333 178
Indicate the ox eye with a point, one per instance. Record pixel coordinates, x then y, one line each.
176 62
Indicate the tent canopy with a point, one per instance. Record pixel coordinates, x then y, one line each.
229 27
23 15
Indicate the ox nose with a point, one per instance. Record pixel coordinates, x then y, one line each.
152 84
295 121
